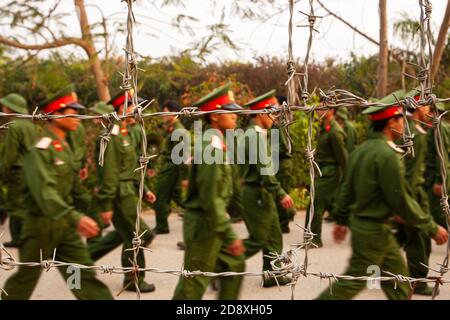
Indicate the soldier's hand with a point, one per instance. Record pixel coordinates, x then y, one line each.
106 217
184 184
84 174
236 248
150 197
87 227
151 173
287 202
437 189
441 236
339 233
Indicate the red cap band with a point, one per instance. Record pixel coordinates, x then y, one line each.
213 104
264 103
387 113
119 101
60 103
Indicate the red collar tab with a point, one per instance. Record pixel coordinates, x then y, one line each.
124 131
386 113
57 145
218 103
264 103
328 127
61 103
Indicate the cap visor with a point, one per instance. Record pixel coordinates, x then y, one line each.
76 106
232 107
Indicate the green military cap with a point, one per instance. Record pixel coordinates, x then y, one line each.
15 102
64 98
220 98
102 108
342 113
380 113
265 100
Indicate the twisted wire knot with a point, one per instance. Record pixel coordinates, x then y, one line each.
107 269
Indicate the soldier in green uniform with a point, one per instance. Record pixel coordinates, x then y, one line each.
284 174
331 156
433 178
170 175
116 198
348 127
375 190
53 197
77 142
211 243
261 189
20 137
417 244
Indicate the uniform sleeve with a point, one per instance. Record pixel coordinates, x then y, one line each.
40 178
207 180
10 150
80 195
110 176
339 149
269 181
344 200
393 185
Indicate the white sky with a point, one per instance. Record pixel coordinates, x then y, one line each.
256 38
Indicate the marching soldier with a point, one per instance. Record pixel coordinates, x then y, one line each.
331 156
375 190
52 197
262 190
20 137
348 127
117 198
433 178
211 243
170 175
284 174
417 244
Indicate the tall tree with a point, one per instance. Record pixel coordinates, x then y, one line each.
440 43
383 56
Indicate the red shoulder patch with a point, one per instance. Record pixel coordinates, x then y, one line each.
328 128
57 145
124 131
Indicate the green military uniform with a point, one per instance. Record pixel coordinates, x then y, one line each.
284 176
417 243
168 180
261 191
53 197
20 137
375 190
207 228
433 171
349 129
331 156
117 191
77 142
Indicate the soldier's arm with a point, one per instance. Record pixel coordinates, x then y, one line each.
344 200
393 185
208 179
10 150
40 179
269 181
110 176
339 149
80 194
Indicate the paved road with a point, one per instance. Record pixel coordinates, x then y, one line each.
165 255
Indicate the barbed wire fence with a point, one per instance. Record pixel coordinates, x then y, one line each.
288 262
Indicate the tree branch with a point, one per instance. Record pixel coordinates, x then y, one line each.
48 45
